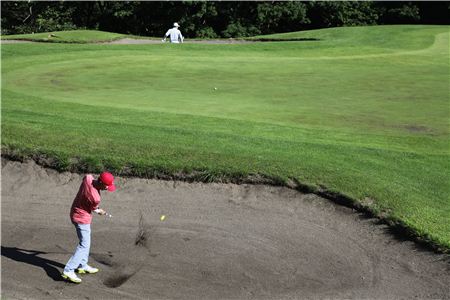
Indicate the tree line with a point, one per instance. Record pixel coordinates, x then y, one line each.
212 19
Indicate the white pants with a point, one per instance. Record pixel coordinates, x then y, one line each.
81 255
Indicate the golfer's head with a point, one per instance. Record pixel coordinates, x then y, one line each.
176 25
106 181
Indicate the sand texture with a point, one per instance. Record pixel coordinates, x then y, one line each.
217 242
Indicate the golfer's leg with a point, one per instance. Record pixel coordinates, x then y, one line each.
80 252
85 231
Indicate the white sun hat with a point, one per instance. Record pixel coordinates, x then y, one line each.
176 24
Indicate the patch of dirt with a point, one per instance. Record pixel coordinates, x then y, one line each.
129 41
218 241
416 128
14 41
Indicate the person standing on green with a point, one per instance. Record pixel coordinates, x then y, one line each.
175 34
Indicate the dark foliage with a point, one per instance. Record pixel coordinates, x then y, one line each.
212 19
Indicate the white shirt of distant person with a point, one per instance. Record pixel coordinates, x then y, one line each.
175 34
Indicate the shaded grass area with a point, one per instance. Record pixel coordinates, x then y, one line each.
369 131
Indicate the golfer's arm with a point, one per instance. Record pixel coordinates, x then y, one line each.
167 34
99 210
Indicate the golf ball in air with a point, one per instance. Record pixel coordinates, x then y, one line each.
163 217
215 89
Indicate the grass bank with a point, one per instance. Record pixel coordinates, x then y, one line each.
70 36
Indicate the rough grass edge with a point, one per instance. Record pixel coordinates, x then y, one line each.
365 206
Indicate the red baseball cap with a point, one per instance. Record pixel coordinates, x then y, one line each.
108 180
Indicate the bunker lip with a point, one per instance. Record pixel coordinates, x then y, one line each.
218 241
132 41
397 227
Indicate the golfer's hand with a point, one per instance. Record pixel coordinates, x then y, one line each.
101 212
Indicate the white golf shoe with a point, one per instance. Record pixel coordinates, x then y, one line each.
71 276
87 270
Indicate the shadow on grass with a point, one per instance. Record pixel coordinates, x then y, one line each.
31 257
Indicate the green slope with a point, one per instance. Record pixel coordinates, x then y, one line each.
71 36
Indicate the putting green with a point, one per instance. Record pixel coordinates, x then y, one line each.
286 90
363 112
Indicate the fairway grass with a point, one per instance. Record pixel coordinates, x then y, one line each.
362 113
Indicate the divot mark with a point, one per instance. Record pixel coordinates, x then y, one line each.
117 280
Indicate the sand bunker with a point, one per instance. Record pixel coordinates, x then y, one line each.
130 41
217 242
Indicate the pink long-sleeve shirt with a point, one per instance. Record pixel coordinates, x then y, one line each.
87 200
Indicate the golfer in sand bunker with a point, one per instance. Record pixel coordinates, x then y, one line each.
86 202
